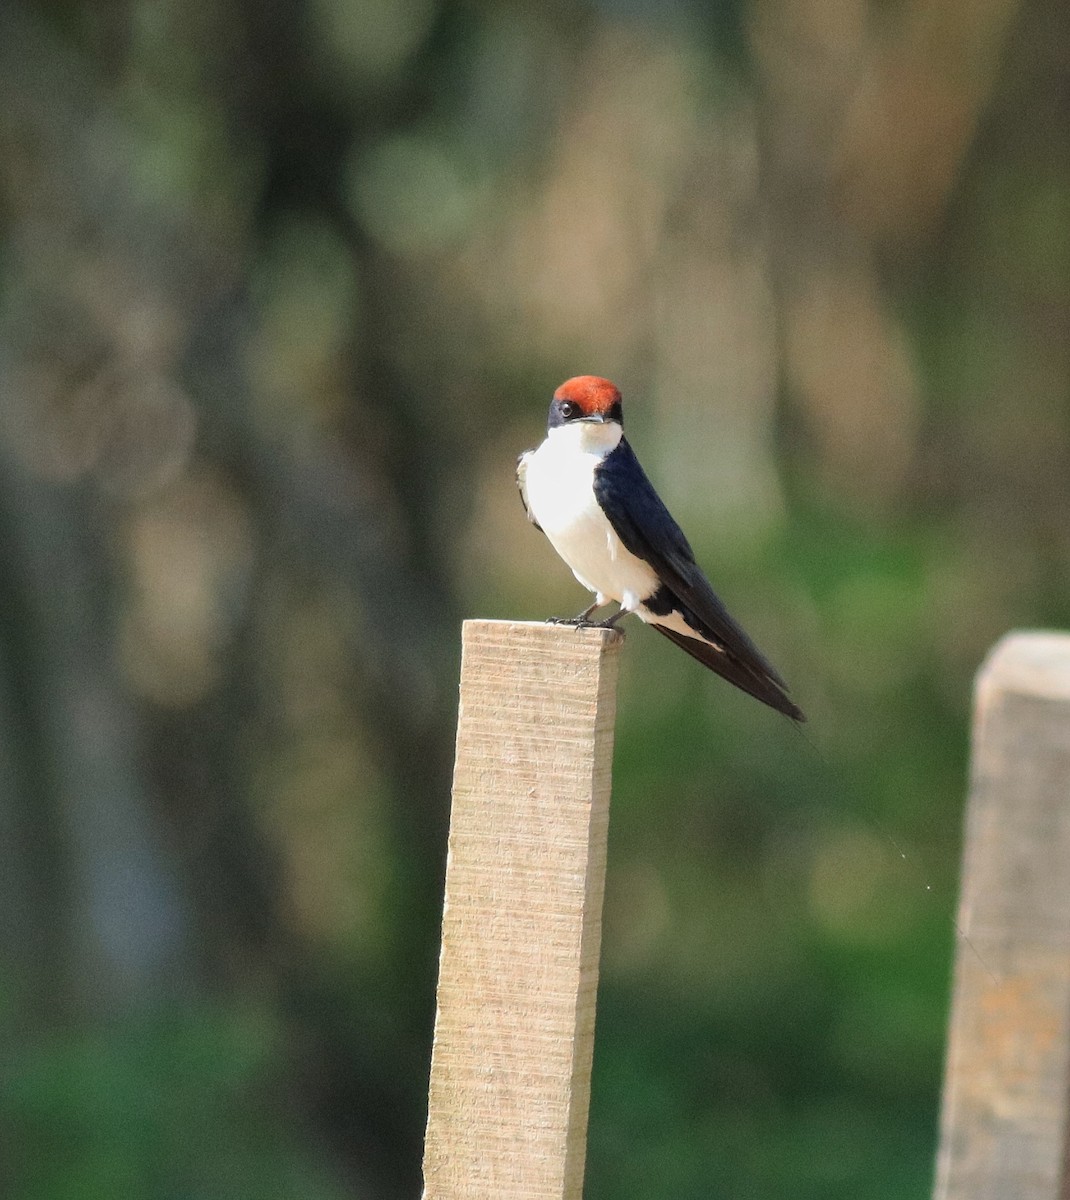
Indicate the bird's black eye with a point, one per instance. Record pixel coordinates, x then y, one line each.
568 409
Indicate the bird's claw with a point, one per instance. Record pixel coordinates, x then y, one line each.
579 621
583 620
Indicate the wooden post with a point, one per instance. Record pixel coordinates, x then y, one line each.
521 925
1005 1109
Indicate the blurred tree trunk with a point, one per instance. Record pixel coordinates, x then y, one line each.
135 847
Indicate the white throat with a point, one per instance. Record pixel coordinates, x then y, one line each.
586 437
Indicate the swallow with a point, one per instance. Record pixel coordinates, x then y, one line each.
585 490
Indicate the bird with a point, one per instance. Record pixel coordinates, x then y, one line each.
584 489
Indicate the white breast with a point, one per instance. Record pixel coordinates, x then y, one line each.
559 482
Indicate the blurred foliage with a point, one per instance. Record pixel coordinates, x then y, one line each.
283 291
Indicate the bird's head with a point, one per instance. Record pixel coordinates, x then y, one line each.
587 401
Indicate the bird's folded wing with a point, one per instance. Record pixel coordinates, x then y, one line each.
647 529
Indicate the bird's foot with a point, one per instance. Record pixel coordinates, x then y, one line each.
579 621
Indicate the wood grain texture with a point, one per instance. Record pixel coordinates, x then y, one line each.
521 927
1005 1106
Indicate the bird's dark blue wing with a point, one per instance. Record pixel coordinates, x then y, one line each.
647 529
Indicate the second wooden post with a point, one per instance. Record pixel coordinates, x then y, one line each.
521 928
1006 1111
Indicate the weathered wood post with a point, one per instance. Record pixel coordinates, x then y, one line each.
1005 1110
521 925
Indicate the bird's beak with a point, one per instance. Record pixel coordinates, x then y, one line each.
598 418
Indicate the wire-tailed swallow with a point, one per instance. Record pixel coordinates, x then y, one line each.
584 488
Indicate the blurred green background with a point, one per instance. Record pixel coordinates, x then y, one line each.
284 289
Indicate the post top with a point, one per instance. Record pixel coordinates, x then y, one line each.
545 632
1030 662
